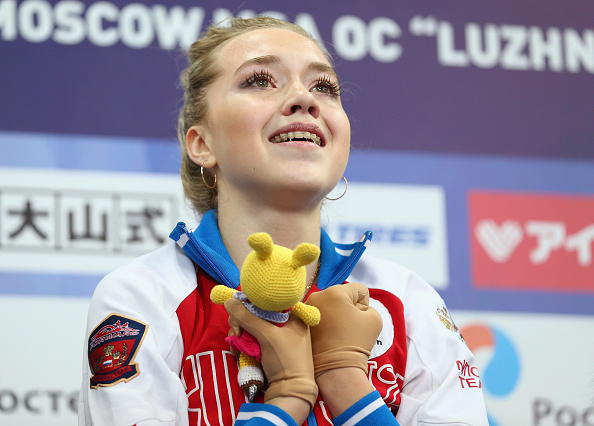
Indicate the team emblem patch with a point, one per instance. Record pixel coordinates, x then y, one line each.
445 317
113 344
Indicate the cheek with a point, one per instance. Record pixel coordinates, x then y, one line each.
236 126
240 138
343 138
341 128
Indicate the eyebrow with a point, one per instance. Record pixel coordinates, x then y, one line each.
273 59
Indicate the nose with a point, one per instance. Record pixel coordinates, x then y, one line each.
301 100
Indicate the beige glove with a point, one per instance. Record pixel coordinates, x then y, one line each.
348 329
286 353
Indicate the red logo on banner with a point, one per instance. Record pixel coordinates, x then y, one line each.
529 241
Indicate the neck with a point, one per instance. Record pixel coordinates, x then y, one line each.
287 227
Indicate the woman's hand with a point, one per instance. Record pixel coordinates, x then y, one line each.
286 360
348 329
342 343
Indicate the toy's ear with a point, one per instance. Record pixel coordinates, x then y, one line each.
262 244
304 254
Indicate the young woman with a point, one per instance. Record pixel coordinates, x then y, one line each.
264 139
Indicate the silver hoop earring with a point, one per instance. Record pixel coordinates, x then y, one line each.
346 187
203 180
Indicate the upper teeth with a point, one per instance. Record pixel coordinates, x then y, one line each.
284 137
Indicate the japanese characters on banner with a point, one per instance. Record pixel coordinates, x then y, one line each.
472 163
522 240
83 222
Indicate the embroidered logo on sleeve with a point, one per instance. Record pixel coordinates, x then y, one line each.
113 344
445 317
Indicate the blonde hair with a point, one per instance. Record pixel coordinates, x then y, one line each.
200 74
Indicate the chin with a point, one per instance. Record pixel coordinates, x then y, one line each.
303 187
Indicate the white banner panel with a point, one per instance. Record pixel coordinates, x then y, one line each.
408 224
535 369
43 339
84 222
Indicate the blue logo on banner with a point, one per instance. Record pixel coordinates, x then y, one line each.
501 375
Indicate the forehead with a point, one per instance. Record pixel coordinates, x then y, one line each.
286 44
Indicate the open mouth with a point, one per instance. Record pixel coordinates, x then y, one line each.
297 136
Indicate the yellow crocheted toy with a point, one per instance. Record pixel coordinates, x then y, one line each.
273 283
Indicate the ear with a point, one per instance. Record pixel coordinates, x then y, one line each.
198 146
262 244
304 254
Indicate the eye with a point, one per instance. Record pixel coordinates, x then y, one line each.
326 86
261 79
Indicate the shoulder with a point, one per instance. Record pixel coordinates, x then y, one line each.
148 289
165 274
133 313
435 350
378 273
168 262
424 308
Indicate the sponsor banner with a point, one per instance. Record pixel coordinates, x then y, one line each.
83 222
534 369
458 176
408 224
400 196
490 62
139 26
81 207
41 362
532 241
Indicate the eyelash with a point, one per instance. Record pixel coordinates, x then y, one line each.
263 74
334 87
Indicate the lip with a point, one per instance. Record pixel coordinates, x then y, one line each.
301 127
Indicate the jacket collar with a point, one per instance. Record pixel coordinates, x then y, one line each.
205 247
